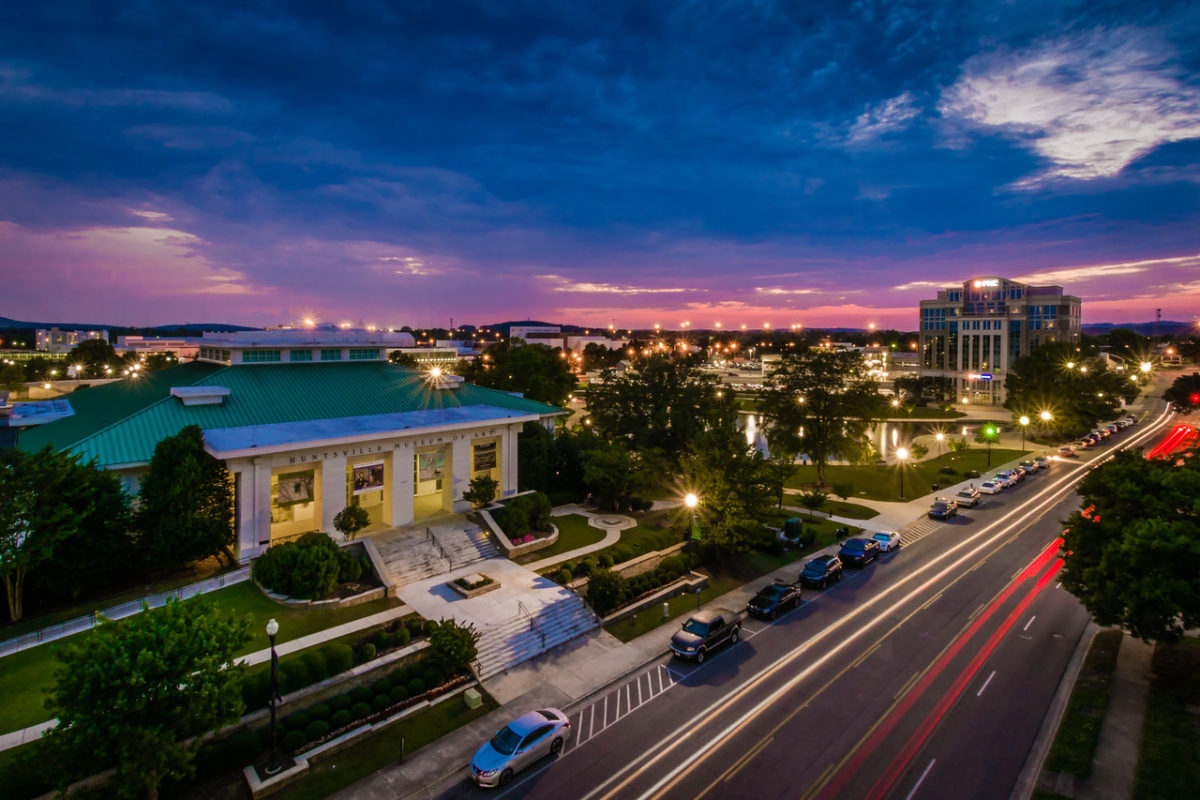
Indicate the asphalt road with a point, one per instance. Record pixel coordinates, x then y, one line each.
925 675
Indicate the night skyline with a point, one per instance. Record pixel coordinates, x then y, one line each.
403 164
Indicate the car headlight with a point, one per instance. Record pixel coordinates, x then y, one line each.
487 773
690 648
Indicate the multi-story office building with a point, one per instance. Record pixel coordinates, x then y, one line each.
971 334
57 341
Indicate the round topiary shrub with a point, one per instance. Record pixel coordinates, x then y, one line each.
314 662
672 575
360 694
340 719
564 576
381 640
360 710
414 626
672 564
380 702
403 637
320 711
380 686
294 675
297 721
621 554
432 676
415 687
366 653
339 658
398 694
256 690
340 702
293 740
606 560
316 730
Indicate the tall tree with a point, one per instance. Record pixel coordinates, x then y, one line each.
1132 557
1184 392
186 510
95 355
822 405
732 483
35 515
137 693
663 403
535 370
1078 392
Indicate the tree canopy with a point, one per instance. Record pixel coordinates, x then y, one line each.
1078 392
1132 555
822 405
733 484
534 370
95 355
186 510
662 403
1184 392
133 694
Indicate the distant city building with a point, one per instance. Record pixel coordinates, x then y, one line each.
430 356
56 340
971 334
552 336
307 422
184 348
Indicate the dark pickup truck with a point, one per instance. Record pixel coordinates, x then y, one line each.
704 631
773 599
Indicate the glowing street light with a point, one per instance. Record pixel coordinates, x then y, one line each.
1046 416
1024 420
901 457
692 501
989 434
1145 366
940 438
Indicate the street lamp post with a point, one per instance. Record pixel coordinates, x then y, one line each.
901 455
1024 420
940 437
273 766
692 501
990 432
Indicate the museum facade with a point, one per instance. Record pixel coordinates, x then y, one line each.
308 422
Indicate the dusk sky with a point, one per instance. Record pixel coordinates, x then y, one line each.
391 163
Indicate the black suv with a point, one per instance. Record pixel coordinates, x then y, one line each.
821 570
773 599
858 552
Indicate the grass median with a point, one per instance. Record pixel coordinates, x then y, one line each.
1078 733
883 482
1169 765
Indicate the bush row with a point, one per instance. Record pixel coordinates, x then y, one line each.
617 554
312 666
608 590
519 516
310 567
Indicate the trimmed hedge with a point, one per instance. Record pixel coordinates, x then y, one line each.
307 567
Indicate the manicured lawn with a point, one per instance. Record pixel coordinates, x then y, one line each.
883 482
376 752
1169 765
1075 743
77 610
849 510
645 621
25 676
573 532
634 542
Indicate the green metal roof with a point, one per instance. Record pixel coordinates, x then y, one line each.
120 423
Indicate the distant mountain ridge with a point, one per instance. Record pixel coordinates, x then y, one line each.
198 327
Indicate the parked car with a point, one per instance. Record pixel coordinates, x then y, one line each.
1020 473
968 497
1029 465
1007 477
774 598
821 570
1067 452
518 744
1111 429
1042 462
943 508
858 552
704 631
991 487
888 540
1132 419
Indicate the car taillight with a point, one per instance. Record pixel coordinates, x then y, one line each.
567 723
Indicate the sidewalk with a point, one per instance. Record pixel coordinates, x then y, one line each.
560 678
80 624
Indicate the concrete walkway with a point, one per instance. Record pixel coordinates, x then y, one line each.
1114 765
611 524
80 624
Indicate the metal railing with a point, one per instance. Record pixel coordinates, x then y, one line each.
434 541
533 626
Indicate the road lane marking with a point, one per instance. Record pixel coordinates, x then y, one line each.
866 654
908 684
746 759
979 610
971 547
606 711
985 684
1027 624
639 685
920 780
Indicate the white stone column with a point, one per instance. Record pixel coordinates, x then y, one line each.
247 539
333 490
508 468
460 473
257 495
402 485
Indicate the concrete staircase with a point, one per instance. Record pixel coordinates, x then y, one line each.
412 557
521 638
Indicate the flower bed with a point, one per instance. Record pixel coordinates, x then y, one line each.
474 585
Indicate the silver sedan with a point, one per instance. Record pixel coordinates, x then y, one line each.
518 744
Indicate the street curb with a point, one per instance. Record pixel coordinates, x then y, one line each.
1027 781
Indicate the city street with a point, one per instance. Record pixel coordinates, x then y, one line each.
927 674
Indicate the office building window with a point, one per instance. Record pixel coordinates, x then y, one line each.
259 356
331 355
300 355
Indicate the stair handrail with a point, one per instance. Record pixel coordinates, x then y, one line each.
533 626
438 545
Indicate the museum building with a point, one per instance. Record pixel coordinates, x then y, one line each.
308 422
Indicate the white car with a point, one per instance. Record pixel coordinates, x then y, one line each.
1006 477
967 498
888 541
518 744
991 487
